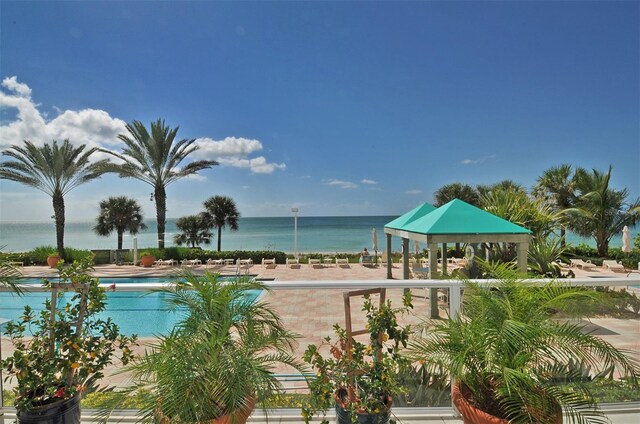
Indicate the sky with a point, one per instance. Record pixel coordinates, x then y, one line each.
336 108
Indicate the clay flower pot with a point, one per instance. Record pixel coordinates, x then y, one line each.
147 261
471 414
52 260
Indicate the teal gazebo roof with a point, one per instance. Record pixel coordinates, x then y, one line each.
458 217
411 216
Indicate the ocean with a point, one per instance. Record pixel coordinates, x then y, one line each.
315 234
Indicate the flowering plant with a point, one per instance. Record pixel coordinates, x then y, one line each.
61 351
364 381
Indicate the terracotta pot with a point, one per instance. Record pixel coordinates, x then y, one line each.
343 415
147 261
472 415
239 416
52 260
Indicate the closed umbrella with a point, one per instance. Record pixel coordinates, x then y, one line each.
416 247
374 238
626 240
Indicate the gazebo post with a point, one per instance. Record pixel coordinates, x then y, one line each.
522 250
444 258
405 259
433 266
389 258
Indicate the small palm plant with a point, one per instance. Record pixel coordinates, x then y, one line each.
506 350
219 359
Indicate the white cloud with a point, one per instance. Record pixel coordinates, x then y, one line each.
234 151
414 191
367 181
96 128
478 160
91 127
341 184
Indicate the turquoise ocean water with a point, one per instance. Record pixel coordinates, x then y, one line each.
315 234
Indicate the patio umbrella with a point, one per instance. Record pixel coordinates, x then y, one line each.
626 240
374 238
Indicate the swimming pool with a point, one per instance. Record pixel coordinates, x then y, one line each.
136 312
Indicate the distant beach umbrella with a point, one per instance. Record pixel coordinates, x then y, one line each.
626 240
374 238
416 246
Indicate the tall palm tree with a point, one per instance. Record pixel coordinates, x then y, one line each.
221 211
502 185
53 169
195 230
155 158
601 212
121 214
464 192
556 186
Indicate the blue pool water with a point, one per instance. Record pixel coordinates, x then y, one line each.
141 313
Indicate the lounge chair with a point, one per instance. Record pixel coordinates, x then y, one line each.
579 263
229 261
191 262
313 262
420 272
269 262
367 260
612 265
166 262
293 263
327 260
214 262
343 262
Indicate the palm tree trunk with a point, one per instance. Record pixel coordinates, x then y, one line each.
219 238
58 213
161 213
120 239
563 236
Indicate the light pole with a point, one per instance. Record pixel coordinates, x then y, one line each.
295 232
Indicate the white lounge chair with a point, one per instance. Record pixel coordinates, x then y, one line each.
612 265
313 262
214 262
343 262
579 263
269 262
367 260
293 263
327 260
191 262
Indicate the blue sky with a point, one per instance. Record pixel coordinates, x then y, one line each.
338 108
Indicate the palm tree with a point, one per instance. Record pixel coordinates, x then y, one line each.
464 192
502 185
195 230
53 169
155 159
221 211
121 214
557 187
601 212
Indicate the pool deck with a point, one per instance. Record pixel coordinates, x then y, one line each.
321 308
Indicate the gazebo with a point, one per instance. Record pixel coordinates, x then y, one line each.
454 222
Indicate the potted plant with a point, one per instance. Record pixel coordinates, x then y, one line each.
147 259
53 258
361 384
507 348
61 352
219 359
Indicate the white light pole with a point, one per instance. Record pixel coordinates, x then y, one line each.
295 232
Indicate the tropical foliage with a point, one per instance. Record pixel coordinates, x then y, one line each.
556 186
154 157
119 214
545 256
507 349
59 353
194 231
228 345
53 169
464 192
221 211
9 272
369 370
600 211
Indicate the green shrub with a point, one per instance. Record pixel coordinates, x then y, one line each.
77 254
39 254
